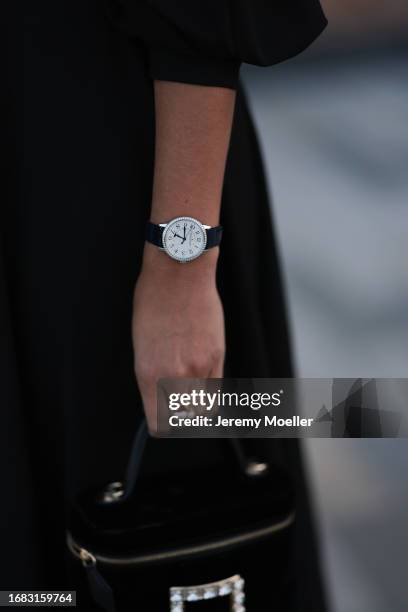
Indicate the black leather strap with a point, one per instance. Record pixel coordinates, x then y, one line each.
137 453
135 460
214 235
100 590
154 234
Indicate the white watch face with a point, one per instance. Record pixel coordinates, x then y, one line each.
184 238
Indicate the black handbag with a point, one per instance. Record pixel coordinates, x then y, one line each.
216 539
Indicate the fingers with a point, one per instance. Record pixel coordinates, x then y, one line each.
199 369
149 398
218 369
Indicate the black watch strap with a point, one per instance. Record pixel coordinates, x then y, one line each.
154 234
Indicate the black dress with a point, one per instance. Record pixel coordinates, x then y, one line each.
78 136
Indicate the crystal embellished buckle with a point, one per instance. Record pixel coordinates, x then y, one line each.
233 587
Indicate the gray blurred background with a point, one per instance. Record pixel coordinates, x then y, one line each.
333 125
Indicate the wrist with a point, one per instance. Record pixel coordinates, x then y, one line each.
159 265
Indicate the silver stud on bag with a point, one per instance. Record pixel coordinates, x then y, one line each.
112 492
256 468
232 587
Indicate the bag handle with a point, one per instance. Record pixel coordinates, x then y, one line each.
135 460
249 466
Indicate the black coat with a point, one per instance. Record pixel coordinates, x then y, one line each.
78 136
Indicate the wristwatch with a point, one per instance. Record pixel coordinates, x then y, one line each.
183 238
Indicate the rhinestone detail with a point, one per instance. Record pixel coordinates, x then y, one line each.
233 586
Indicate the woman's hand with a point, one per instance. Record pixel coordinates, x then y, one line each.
178 323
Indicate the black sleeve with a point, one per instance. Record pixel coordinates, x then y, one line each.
205 41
